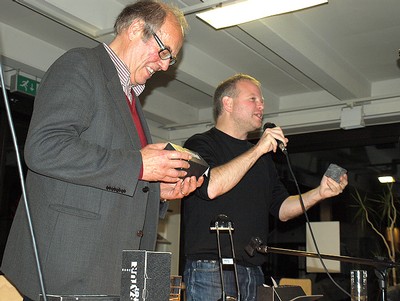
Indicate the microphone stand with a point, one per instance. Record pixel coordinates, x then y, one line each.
21 176
222 223
381 266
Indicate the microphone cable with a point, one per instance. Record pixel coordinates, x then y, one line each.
21 175
285 152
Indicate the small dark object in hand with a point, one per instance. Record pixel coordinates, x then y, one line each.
335 172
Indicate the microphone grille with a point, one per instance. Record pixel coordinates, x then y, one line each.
269 125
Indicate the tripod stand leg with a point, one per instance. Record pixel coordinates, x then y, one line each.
234 265
221 270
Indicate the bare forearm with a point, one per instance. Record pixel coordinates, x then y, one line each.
224 177
292 208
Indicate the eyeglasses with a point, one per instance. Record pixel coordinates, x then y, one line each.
164 53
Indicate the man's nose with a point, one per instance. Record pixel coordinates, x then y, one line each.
164 64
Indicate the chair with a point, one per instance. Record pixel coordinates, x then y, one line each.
7 291
304 283
175 288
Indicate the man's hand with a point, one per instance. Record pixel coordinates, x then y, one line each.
329 187
161 165
291 207
268 140
180 189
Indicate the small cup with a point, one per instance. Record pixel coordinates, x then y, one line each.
358 280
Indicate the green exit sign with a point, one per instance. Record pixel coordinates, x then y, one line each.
23 84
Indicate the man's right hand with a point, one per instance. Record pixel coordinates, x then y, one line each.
162 165
268 140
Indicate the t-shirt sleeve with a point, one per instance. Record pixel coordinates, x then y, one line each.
201 145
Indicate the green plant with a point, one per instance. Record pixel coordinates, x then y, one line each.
380 212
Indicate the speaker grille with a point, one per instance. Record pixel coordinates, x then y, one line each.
145 275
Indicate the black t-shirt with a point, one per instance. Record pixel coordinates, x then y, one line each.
247 205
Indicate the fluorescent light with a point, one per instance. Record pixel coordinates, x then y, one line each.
244 11
386 179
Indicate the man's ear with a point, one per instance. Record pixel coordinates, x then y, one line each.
227 103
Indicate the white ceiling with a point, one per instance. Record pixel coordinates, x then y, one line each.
311 63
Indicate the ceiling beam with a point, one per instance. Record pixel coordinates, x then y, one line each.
300 47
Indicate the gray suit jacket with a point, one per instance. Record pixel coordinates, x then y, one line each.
86 203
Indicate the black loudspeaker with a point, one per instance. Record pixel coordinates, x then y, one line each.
145 275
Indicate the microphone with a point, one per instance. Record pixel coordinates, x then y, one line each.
270 125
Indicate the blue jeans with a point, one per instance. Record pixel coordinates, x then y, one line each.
203 281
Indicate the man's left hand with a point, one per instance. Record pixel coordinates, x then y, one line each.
329 187
173 191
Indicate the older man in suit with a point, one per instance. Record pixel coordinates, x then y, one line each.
95 183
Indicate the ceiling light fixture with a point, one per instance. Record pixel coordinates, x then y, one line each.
352 118
245 11
386 179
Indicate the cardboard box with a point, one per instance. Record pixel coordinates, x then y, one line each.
198 167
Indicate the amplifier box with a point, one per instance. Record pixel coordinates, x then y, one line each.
145 275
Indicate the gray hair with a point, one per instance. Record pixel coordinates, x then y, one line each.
152 12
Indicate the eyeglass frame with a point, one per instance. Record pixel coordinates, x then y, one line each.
172 59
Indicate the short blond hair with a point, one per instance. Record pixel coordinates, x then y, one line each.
228 88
